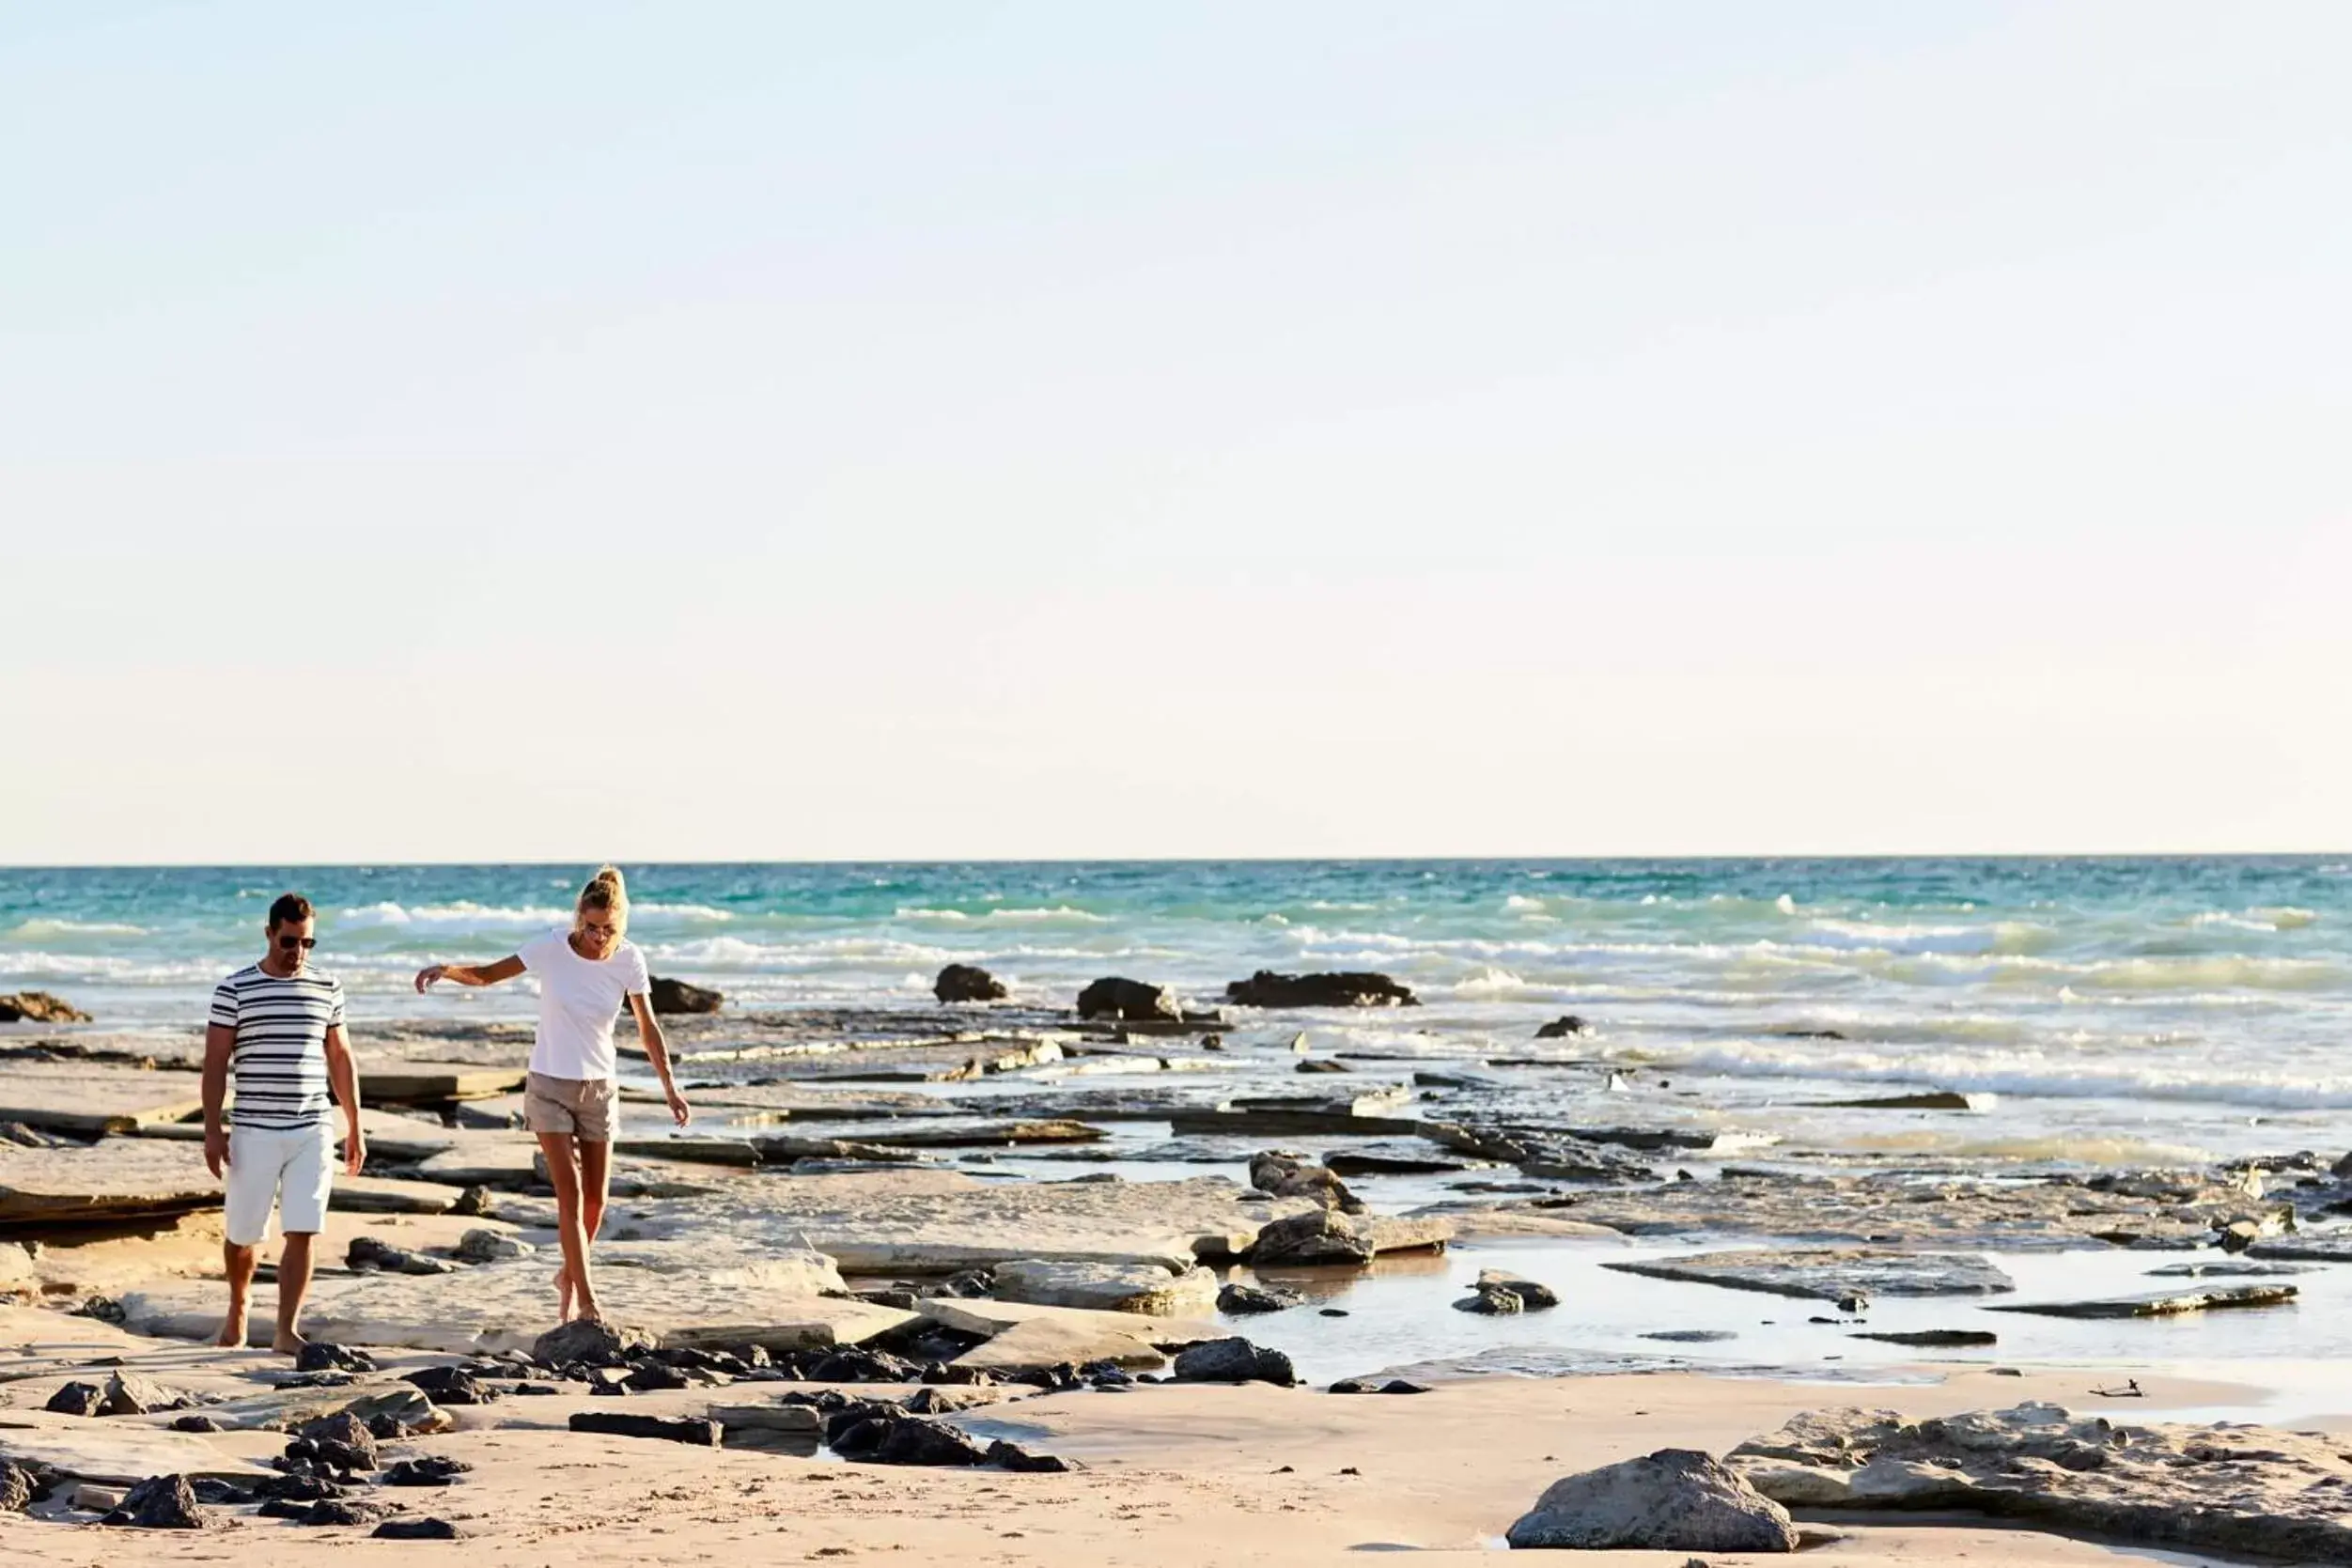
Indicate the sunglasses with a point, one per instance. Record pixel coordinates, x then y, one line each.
288 944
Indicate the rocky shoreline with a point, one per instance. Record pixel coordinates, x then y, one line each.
886 1220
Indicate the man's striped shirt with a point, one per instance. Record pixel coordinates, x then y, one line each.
280 1061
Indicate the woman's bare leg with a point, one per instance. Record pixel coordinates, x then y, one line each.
572 1284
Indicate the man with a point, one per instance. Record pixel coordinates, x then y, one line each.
279 1025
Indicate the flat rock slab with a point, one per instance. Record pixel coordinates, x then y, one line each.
86 1098
2150 1208
2246 1491
1109 1287
424 1083
112 1452
979 1135
1827 1275
2321 1247
119 1178
390 1135
2159 1306
706 1294
391 1195
1027 1338
916 1221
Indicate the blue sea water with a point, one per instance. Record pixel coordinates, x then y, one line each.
2120 1009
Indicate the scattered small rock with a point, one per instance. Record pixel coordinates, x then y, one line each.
484 1245
1351 989
369 1253
1238 1299
76 1399
435 1470
159 1502
321 1355
589 1343
414 1530
196 1424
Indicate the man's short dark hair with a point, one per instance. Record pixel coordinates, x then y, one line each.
291 909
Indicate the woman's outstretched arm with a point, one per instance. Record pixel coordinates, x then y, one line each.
657 1047
470 974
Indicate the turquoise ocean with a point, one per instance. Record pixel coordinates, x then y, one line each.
2110 1010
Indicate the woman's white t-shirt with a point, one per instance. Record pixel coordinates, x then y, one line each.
579 999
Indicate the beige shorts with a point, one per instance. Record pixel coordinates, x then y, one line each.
584 1107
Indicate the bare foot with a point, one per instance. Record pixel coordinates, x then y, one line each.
288 1342
232 1333
563 1296
589 1312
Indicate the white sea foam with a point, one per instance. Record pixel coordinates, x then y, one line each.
2020 1072
67 930
1061 913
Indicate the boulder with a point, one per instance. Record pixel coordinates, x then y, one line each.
19 1486
589 1343
1565 1027
1496 1303
1330 1237
897 1440
1352 989
676 996
39 1008
1129 999
128 1394
414 1530
1674 1500
967 983
1234 1361
2234 1490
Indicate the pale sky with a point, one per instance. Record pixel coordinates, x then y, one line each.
443 431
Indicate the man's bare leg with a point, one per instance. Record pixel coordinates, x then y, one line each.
293 1283
238 1263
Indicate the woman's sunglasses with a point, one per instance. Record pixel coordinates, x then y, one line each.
288 944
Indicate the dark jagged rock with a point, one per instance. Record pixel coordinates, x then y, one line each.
1239 1299
676 996
1012 1456
674 1429
196 1423
435 1470
339 1511
372 1253
655 1376
212 1492
1936 1338
1351 989
39 1008
1371 1385
1234 1361
587 1342
1282 1175
1530 1296
414 1530
159 1502
1129 1001
474 1202
1691 1336
296 1490
890 1437
76 1399
859 1364
967 983
342 1440
450 1386
1318 1237
1491 1303
19 1484
320 1356
1674 1500
1566 1026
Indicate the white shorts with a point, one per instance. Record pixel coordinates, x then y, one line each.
292 1171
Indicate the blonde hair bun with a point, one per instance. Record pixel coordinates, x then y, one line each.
605 890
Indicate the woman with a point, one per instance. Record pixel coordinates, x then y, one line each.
571 1101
